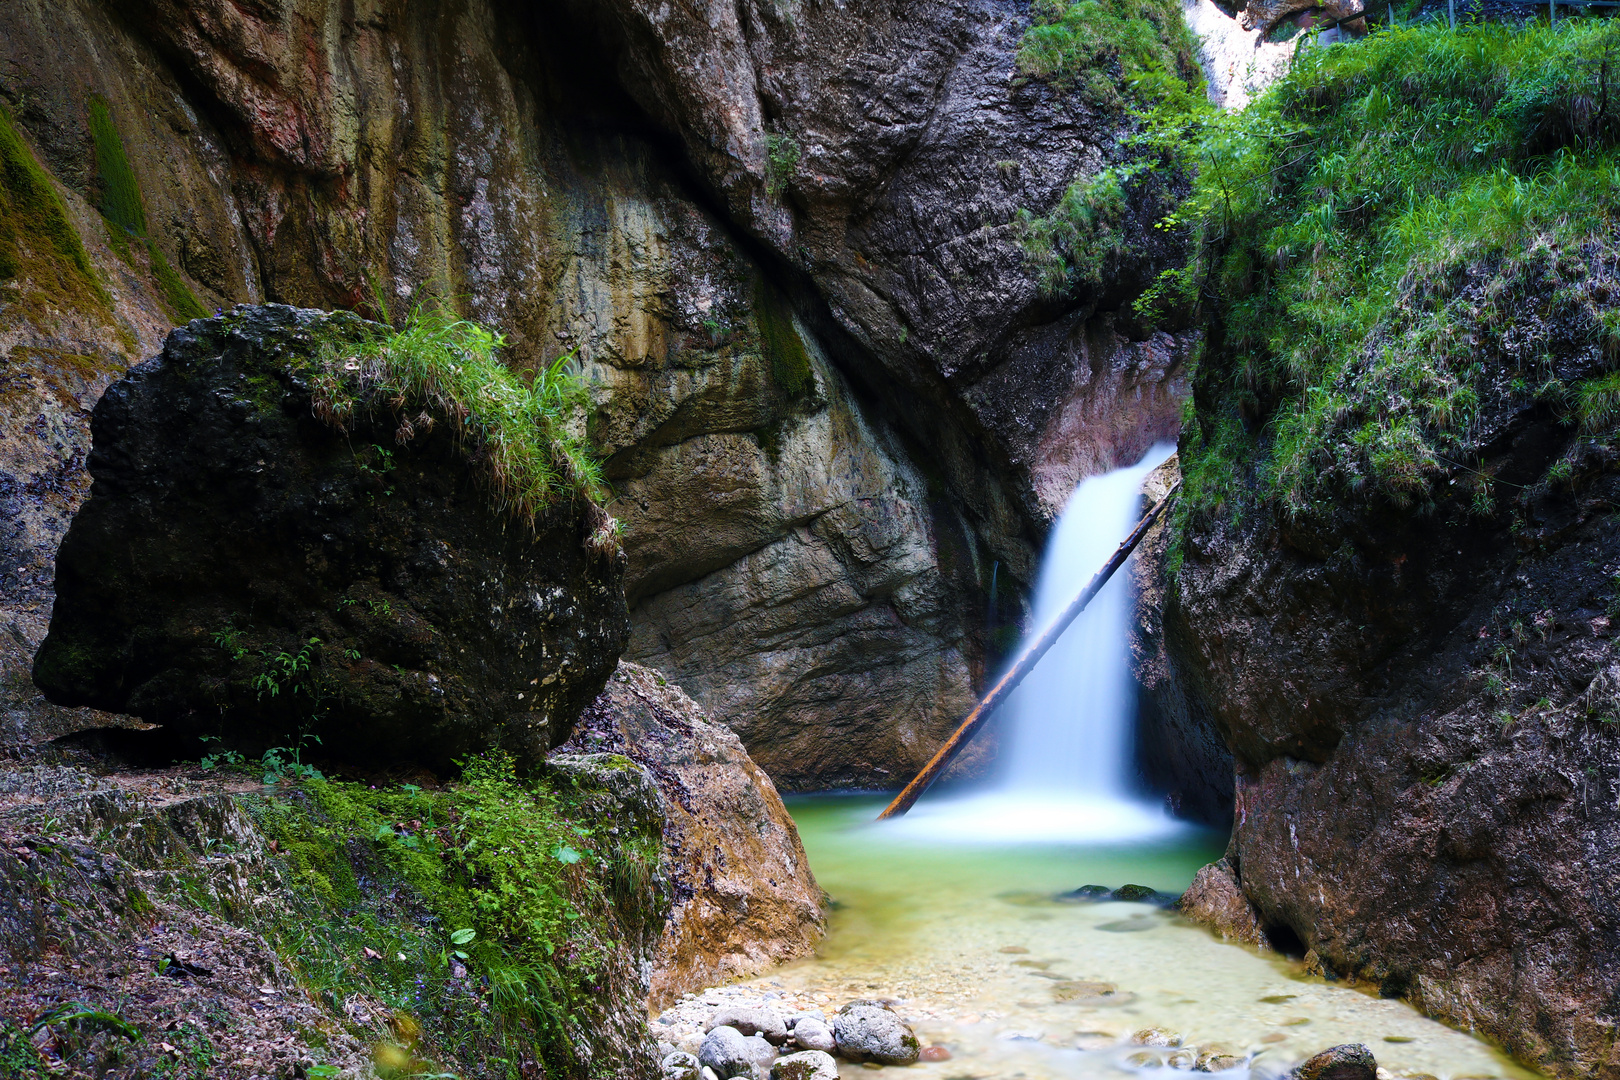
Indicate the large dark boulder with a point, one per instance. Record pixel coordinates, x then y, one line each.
244 570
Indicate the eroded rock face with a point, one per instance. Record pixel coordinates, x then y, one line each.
245 571
831 396
1179 749
743 897
1419 708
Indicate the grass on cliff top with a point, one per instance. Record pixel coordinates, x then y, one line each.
1385 236
452 365
1136 61
489 914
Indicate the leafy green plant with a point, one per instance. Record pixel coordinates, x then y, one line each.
221 759
1370 232
781 162
493 857
287 671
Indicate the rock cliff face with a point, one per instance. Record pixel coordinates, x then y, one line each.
742 896
1422 708
833 401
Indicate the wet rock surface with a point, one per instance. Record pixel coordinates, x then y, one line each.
1216 900
742 894
1351 1061
1416 705
246 572
1180 752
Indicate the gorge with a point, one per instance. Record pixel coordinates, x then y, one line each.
462 462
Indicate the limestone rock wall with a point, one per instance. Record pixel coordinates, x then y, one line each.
778 238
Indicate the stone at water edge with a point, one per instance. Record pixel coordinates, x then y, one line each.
805 1065
1215 899
725 823
232 540
731 1053
870 1031
814 1034
681 1066
934 1053
1350 1061
1216 1061
766 1023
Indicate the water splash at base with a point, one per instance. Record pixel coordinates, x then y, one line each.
1067 730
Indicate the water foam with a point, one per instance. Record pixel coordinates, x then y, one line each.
1065 772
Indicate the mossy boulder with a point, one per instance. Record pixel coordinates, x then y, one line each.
246 571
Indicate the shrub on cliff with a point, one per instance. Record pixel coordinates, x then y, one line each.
1406 242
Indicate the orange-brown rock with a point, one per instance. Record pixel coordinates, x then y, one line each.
1215 900
743 895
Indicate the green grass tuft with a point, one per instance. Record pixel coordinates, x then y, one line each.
452 366
1390 238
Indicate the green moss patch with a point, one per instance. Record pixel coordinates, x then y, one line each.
37 239
1131 59
121 204
487 916
779 340
1405 237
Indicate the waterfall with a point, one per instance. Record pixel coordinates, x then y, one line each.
1066 734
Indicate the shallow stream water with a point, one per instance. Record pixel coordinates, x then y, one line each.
971 944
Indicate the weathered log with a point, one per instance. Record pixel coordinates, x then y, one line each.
1023 666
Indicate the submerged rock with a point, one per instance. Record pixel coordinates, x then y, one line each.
744 896
243 570
870 1031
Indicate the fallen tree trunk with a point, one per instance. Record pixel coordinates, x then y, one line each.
1023 666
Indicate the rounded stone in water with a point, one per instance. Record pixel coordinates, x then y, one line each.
805 1065
814 1034
731 1053
870 1031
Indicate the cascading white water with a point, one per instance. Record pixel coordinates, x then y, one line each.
1067 730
